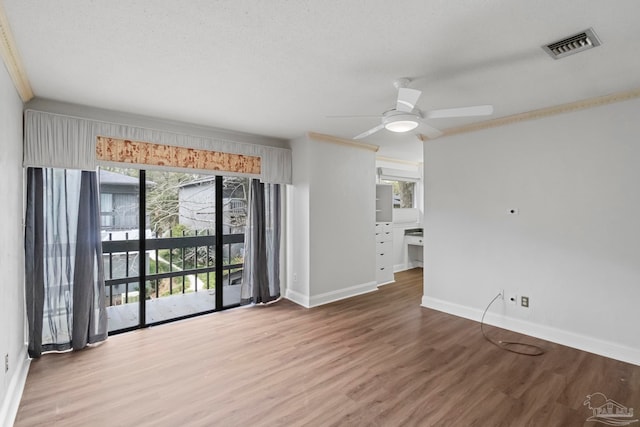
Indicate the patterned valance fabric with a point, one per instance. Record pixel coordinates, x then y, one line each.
61 141
146 153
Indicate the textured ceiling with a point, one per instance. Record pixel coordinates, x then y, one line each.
279 67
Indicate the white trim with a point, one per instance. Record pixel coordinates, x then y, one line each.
339 294
567 338
12 60
402 267
392 160
386 283
11 402
327 297
298 298
540 113
336 140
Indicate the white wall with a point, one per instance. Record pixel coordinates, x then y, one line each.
332 252
298 213
12 331
574 247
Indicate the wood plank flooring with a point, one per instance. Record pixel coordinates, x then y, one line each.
374 360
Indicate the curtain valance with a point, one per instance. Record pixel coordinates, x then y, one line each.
60 141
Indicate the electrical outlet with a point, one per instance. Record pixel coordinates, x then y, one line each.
6 363
513 299
524 301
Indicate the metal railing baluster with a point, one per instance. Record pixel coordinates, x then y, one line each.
110 272
126 270
171 265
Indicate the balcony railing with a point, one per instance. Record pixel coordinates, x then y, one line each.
174 265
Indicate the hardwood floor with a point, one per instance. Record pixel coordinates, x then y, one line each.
376 359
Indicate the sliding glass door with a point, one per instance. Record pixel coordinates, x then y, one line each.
119 220
189 250
234 220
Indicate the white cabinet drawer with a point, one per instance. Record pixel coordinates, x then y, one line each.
384 252
414 240
383 258
384 236
384 275
384 247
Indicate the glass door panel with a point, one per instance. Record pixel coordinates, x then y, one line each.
119 217
180 275
172 246
234 220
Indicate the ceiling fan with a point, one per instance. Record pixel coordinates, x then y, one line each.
406 116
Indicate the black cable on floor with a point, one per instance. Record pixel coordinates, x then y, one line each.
507 345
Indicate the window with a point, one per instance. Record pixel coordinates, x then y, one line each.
404 183
403 193
189 255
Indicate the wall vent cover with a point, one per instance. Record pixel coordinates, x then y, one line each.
573 44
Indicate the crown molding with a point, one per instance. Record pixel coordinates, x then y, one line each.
400 161
342 141
540 113
11 58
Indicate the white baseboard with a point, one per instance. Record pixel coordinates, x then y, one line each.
327 297
11 402
400 267
339 294
386 283
559 336
298 298
404 267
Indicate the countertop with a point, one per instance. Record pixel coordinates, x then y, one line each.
414 232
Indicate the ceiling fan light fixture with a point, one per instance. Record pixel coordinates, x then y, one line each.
401 126
401 123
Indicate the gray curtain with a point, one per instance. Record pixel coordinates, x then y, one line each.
261 274
64 275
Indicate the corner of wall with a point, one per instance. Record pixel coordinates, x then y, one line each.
344 293
298 298
11 403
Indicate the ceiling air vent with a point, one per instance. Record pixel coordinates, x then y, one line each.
574 44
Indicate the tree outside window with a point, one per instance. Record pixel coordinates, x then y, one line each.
403 193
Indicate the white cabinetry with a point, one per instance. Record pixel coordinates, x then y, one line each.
384 234
384 252
413 253
384 203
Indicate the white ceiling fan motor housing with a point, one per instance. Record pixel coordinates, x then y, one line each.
400 121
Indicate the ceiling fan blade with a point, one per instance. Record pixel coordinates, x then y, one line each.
353 116
430 131
407 99
476 110
369 132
